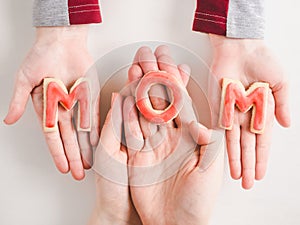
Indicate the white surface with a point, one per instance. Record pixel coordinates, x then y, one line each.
33 192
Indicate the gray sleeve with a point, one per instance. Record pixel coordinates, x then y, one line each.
50 13
246 19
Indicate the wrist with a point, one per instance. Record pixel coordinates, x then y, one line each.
159 219
65 35
225 46
104 218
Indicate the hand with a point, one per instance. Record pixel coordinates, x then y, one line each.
249 61
59 52
166 183
113 204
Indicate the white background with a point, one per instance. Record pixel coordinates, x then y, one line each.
33 192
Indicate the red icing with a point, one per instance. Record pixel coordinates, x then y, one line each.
55 94
142 99
234 95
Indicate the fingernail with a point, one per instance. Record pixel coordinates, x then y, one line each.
5 121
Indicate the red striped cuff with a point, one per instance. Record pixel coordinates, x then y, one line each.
84 12
211 16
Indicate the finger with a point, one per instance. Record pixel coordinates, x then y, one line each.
139 52
92 75
69 139
248 141
85 149
185 72
186 114
209 148
22 89
262 154
132 130
95 130
200 133
209 141
87 140
57 152
157 93
214 96
234 152
282 110
53 139
263 142
147 60
166 62
148 129
110 158
111 135
158 97
135 72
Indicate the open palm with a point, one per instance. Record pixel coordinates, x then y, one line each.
248 61
166 183
53 55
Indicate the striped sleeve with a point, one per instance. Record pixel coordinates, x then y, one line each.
65 12
231 18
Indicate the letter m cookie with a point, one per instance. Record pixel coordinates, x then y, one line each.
234 94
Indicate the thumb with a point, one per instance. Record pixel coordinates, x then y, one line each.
185 72
212 142
282 111
200 133
22 90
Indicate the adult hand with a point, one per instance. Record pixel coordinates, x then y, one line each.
248 61
113 202
59 52
167 185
